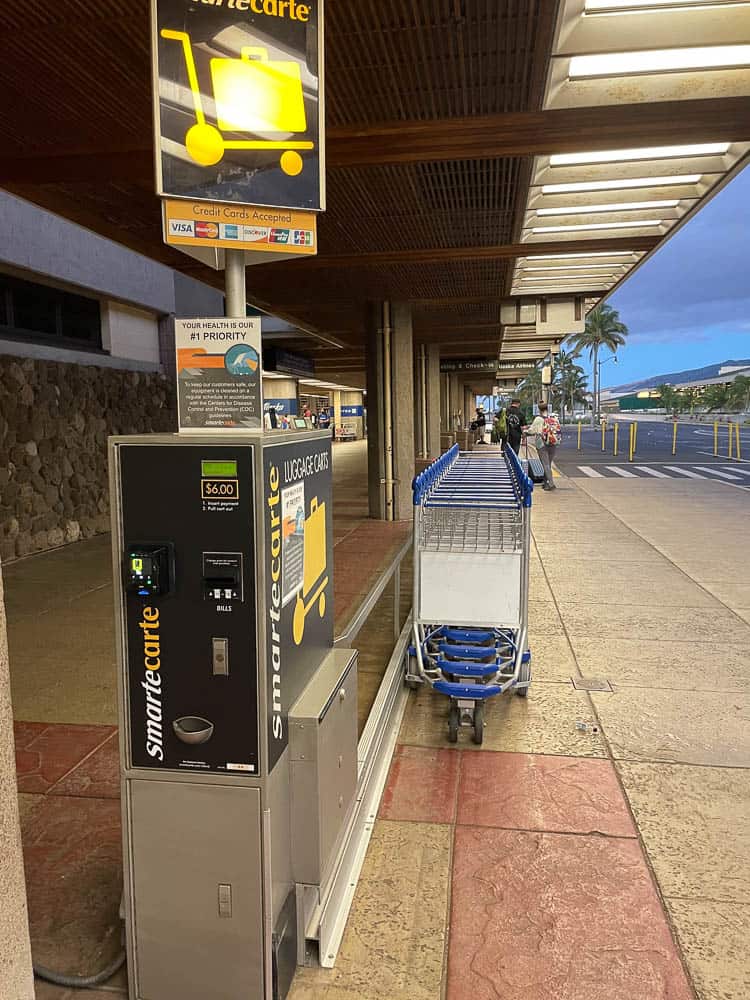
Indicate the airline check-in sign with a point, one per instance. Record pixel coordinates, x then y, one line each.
238 96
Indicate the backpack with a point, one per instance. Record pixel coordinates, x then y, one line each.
551 431
501 424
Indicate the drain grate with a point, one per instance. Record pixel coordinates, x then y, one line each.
591 684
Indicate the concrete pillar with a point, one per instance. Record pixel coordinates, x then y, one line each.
445 415
16 977
352 412
336 410
457 402
401 378
433 400
469 406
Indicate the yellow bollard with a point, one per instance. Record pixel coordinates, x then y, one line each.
737 442
674 439
617 431
632 442
635 436
579 435
729 453
604 433
716 438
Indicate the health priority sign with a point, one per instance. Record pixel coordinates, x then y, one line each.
238 92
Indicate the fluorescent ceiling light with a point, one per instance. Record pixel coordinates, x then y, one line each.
643 153
571 256
635 224
598 6
658 61
562 280
625 206
575 267
620 185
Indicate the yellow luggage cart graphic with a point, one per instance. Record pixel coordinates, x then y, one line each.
252 95
314 577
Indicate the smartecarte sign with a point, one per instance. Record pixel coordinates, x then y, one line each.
238 95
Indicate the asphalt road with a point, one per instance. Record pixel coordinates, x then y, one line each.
694 458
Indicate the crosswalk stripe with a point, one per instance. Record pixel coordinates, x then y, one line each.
684 472
736 468
591 473
651 472
622 472
717 472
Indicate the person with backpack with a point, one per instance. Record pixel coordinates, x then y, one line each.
546 429
515 423
500 428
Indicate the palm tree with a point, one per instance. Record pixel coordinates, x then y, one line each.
530 390
569 384
603 329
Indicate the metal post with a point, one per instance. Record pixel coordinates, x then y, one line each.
635 436
737 442
579 434
387 411
716 438
423 398
235 287
604 435
397 602
674 439
729 428
616 430
632 442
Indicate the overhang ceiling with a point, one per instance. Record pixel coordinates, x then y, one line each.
444 119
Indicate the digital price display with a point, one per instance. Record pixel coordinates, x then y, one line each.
219 470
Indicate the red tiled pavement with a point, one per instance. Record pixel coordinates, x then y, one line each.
98 776
46 753
536 792
540 916
422 785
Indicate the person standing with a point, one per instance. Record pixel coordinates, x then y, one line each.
515 422
480 422
546 429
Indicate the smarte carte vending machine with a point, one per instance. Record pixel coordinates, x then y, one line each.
238 719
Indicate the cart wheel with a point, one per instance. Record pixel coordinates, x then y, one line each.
524 674
322 606
411 683
479 723
453 724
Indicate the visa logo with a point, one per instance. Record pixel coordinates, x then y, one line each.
178 227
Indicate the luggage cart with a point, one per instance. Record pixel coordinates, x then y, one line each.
472 531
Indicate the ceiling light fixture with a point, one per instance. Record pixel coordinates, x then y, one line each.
635 224
566 280
571 256
576 267
580 187
643 153
625 206
658 61
651 6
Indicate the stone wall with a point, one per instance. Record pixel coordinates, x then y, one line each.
54 422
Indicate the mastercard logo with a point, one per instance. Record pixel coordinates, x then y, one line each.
207 230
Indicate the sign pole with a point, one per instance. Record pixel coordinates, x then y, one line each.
235 286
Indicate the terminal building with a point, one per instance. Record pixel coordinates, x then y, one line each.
492 172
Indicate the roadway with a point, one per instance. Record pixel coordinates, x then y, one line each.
694 459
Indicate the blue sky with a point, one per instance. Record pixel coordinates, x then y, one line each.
690 304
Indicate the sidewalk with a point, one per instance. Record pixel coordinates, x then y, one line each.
560 864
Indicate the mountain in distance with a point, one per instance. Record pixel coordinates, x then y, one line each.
677 378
